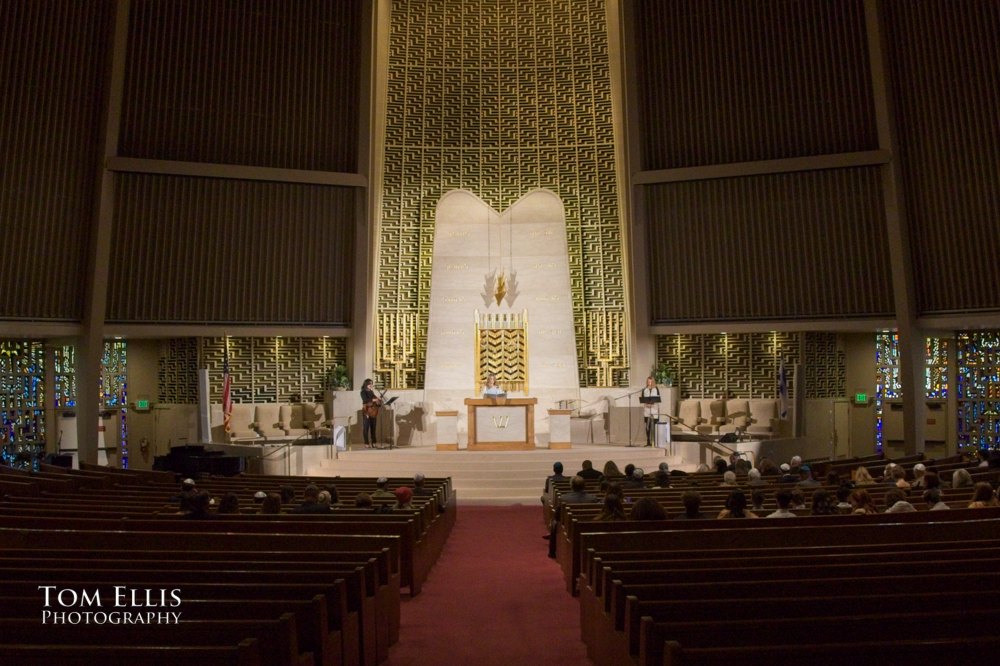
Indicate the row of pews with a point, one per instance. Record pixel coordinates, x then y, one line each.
296 589
914 588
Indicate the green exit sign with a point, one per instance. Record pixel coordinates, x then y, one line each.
142 405
861 398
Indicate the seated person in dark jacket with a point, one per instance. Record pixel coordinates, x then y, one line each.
310 502
199 505
588 472
692 507
635 480
557 475
577 495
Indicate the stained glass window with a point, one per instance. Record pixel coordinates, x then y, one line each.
887 382
22 403
978 390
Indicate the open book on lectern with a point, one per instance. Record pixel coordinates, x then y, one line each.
649 399
391 400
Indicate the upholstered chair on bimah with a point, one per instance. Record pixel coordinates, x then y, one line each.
737 416
687 413
763 418
314 418
241 423
267 417
713 415
292 420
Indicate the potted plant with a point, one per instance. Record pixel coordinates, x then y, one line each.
337 378
663 374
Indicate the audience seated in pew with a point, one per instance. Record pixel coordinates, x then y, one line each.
983 496
271 504
229 503
403 497
647 508
613 508
862 502
822 503
784 500
932 497
736 506
895 502
310 502
757 499
692 507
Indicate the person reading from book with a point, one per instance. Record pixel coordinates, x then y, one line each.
492 389
650 409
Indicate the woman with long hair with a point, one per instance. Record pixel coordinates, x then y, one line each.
736 506
862 477
613 509
862 502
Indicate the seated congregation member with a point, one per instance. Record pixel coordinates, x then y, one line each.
271 504
611 469
806 477
613 509
635 480
823 503
324 498
186 494
310 501
919 470
331 490
692 507
932 480
899 478
403 497
754 478
418 486
784 500
862 502
577 495
661 479
287 494
258 497
843 493
798 499
932 498
199 506
961 479
729 480
230 503
768 468
363 501
757 499
551 479
720 466
588 472
789 474
983 496
832 478
647 508
382 488
895 502
736 506
862 477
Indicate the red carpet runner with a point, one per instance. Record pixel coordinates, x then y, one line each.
494 597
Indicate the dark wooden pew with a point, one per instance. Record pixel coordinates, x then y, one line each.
310 618
276 638
245 653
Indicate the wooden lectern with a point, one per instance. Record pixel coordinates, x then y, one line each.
501 424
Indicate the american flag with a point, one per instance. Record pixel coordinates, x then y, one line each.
227 396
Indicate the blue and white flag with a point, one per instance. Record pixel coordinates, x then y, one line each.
782 391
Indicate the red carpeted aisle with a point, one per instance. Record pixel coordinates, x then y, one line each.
494 597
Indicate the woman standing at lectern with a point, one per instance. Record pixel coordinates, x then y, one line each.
651 410
492 389
370 402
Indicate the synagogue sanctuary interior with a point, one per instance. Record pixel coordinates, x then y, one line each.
423 254
572 196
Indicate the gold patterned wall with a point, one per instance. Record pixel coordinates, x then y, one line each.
269 369
746 365
500 97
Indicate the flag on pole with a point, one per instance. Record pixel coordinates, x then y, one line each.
782 391
227 395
